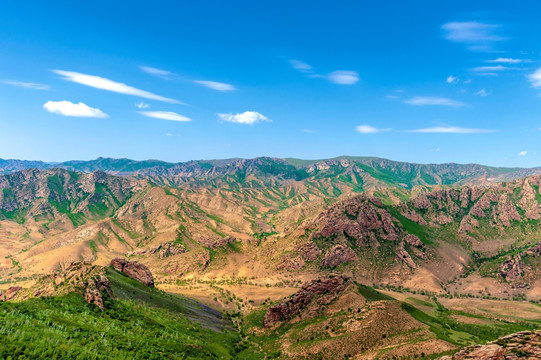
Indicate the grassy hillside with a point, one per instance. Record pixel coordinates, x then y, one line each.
140 323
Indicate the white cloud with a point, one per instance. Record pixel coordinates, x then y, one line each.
508 61
142 105
247 117
482 92
214 85
301 66
477 35
368 129
489 69
27 85
165 115
535 78
430 100
168 134
110 85
343 77
522 153
68 108
450 130
164 74
452 79
308 131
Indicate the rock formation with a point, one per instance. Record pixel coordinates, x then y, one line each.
521 345
316 293
134 270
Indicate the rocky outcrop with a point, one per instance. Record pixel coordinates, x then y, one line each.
309 251
96 289
312 294
338 255
135 270
521 345
216 243
163 250
512 269
11 292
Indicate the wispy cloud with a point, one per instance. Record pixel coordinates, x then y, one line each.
308 131
247 117
68 108
482 92
535 78
164 74
142 105
477 35
368 129
450 130
452 79
343 77
433 101
27 85
165 115
340 77
502 60
110 85
522 153
490 69
301 66
215 85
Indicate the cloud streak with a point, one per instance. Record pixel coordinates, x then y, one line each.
343 77
368 129
101 83
215 85
27 85
247 117
164 74
165 115
477 35
501 60
450 130
67 108
433 101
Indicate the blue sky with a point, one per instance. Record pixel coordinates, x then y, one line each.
422 81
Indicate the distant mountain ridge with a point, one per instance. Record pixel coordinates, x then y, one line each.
370 169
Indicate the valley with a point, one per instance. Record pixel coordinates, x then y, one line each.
432 257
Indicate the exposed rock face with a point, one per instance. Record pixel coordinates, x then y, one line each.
521 345
309 251
134 270
413 240
338 255
163 250
214 244
95 290
11 292
403 256
317 292
512 268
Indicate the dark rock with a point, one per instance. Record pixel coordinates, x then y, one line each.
134 270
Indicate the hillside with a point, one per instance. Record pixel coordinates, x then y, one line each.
242 235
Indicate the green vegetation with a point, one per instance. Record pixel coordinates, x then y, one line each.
141 323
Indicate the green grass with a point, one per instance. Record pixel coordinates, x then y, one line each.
141 323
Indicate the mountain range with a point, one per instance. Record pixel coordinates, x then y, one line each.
421 241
